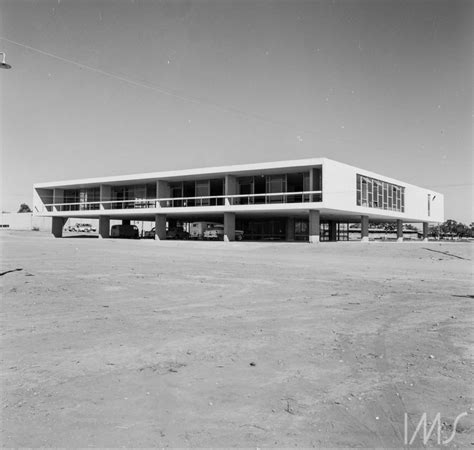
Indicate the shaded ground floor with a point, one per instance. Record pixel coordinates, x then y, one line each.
310 227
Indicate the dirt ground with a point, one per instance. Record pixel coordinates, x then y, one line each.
112 343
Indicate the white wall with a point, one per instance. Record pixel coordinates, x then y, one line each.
340 192
40 197
28 221
339 186
416 203
25 221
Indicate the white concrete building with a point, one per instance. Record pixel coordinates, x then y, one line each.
309 199
24 221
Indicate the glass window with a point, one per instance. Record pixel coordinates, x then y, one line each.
176 191
369 193
245 187
202 189
379 194
364 192
70 196
275 184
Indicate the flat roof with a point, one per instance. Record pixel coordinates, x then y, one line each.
294 165
187 173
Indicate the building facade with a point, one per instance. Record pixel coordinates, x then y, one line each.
311 199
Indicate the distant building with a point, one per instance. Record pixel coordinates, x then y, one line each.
24 221
309 199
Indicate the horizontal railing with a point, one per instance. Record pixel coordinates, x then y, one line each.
180 202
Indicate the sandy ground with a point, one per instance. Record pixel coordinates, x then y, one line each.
138 343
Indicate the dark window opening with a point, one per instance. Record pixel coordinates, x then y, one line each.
295 183
259 188
245 187
217 189
189 190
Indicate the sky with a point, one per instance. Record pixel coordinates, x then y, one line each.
110 87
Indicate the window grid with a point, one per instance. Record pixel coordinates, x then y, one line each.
375 193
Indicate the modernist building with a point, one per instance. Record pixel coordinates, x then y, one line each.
309 199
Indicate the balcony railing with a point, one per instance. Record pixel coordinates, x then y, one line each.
180 202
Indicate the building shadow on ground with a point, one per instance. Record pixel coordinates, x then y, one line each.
82 236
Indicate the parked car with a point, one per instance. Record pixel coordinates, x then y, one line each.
124 231
150 234
216 232
173 233
198 229
83 227
177 233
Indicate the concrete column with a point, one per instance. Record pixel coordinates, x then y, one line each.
229 226
399 231
290 229
160 227
58 197
311 183
314 226
162 191
333 230
425 231
230 188
105 196
104 227
57 226
364 228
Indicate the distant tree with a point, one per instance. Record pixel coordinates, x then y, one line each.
451 228
462 230
24 208
390 226
434 231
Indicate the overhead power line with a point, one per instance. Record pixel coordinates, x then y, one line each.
165 91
